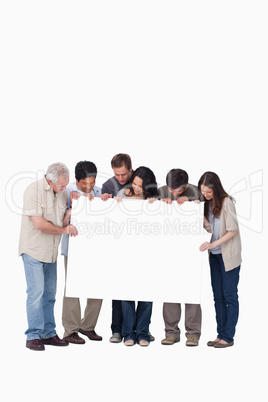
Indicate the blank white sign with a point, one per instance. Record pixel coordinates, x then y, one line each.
135 250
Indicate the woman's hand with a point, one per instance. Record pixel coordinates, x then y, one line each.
219 242
118 199
206 246
151 200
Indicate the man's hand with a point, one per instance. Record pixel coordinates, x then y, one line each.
182 199
74 196
166 200
89 196
106 196
71 230
47 227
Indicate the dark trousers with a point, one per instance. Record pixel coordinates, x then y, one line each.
117 316
224 286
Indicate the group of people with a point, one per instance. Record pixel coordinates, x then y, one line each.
46 216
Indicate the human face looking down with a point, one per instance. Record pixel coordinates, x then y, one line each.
122 174
86 185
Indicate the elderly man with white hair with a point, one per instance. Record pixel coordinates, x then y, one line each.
44 220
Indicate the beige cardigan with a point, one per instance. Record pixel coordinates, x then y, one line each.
231 250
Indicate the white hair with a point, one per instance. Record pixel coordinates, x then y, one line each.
55 170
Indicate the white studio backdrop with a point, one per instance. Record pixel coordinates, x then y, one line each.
174 84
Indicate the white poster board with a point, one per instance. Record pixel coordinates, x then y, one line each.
135 250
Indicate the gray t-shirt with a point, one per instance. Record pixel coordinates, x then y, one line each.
215 224
192 193
112 186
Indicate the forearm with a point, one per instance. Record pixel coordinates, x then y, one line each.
46 227
67 218
219 242
224 239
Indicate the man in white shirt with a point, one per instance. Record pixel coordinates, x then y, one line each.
85 175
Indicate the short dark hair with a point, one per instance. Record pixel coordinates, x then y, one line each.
85 169
120 160
177 178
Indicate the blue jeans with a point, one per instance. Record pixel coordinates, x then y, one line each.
224 286
41 281
136 323
117 316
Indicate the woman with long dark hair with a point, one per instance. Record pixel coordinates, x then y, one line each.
142 185
135 326
224 256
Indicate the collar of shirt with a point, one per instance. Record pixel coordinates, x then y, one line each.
96 191
47 187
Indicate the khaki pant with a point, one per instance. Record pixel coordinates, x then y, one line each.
172 316
71 312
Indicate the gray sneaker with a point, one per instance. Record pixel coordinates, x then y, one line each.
116 338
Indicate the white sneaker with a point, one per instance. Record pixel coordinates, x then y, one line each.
143 342
129 342
116 338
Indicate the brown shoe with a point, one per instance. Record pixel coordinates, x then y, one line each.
213 343
35 344
75 338
220 345
91 335
192 341
55 341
